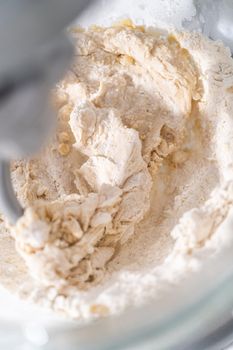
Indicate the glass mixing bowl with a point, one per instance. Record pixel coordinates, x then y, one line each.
194 315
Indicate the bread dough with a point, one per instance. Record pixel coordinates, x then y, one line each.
139 175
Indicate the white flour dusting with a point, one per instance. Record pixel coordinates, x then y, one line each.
162 13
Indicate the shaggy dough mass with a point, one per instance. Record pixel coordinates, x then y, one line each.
143 149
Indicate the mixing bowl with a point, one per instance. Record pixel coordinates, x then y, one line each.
197 314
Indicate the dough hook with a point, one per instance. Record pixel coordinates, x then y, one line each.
35 53
8 200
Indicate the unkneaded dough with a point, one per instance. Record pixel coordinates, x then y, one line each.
75 235
138 177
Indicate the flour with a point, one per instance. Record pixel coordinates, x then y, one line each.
127 198
162 13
